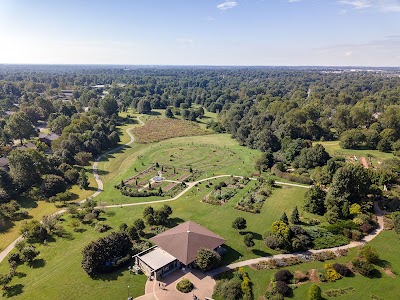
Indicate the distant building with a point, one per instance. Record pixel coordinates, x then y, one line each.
26 146
48 138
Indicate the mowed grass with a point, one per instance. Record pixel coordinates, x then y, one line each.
334 149
384 287
212 154
36 211
58 271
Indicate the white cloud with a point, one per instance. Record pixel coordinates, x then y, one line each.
348 53
227 5
358 4
382 5
293 1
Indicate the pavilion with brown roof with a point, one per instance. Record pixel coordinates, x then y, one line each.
176 247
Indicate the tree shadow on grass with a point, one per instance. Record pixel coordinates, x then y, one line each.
38 263
13 290
376 274
383 263
6 226
256 236
230 256
172 222
260 253
110 276
27 202
153 113
102 172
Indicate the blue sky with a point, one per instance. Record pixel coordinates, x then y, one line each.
201 32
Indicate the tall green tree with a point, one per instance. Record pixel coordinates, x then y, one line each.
23 169
295 217
20 127
83 181
108 105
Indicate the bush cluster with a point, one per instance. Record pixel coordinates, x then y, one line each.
185 286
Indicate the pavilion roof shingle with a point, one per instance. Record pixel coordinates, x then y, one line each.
185 240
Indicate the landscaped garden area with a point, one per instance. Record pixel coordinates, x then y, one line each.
260 203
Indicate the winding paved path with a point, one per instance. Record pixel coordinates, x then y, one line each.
371 236
99 182
8 249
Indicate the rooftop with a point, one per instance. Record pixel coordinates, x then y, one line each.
157 258
186 239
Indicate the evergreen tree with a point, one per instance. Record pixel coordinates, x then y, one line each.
284 219
295 217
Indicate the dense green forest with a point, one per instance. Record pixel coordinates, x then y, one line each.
57 119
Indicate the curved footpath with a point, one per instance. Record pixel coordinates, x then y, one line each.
371 236
99 183
8 249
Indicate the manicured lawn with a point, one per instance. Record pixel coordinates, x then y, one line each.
36 210
211 154
58 273
62 273
384 287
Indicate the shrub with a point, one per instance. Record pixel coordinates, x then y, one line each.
369 253
239 223
341 269
331 274
29 253
101 227
281 288
246 285
228 289
249 240
185 286
314 293
283 275
207 259
330 241
363 267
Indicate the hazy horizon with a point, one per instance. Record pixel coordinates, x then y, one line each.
303 33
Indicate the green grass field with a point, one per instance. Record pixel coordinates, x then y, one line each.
58 272
383 287
62 274
211 154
